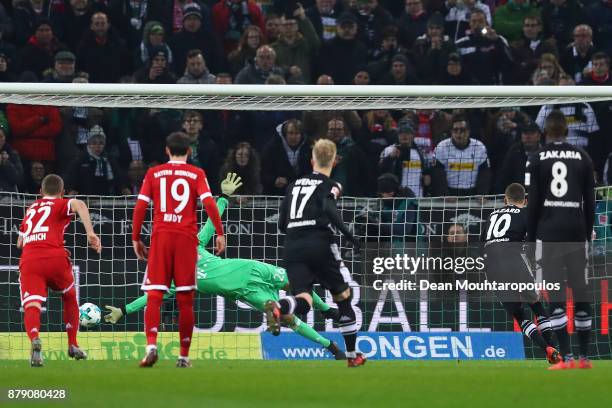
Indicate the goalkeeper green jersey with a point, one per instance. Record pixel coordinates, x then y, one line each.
235 279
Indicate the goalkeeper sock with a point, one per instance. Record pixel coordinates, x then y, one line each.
31 320
583 322
318 303
544 324
152 315
294 305
304 330
558 319
71 315
348 326
186 320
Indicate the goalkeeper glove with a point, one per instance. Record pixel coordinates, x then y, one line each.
231 183
115 314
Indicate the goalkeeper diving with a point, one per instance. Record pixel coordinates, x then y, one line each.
249 281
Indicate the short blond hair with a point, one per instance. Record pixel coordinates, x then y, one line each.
324 152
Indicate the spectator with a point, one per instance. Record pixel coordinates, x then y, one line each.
25 17
297 46
380 58
92 173
352 167
559 18
462 165
173 14
6 23
64 68
34 130
455 74
285 158
372 19
379 131
430 126
196 71
136 172
37 55
599 73
263 65
458 17
195 36
244 160
599 13
203 149
548 68
582 126
156 71
6 73
153 35
405 161
252 38
11 170
576 58
232 17
72 25
513 166
34 180
340 56
361 78
272 28
508 19
102 53
413 22
397 218
432 50
485 55
527 50
131 18
401 73
503 131
7 48
323 16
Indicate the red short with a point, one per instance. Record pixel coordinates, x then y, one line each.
171 257
36 275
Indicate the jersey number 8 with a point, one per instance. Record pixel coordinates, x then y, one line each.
558 185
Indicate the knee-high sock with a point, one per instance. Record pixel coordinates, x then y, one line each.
304 330
348 326
583 323
318 303
295 305
71 315
529 329
544 324
31 321
186 320
153 315
558 319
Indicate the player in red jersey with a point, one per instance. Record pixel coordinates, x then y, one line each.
174 188
45 262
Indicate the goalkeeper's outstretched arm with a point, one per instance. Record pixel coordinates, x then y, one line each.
116 313
228 186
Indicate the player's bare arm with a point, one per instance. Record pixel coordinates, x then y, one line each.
79 207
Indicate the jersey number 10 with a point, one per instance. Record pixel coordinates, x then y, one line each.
498 226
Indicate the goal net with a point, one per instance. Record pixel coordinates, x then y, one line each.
229 329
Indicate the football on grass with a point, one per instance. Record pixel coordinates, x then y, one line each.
89 315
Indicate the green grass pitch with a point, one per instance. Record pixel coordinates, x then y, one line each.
490 384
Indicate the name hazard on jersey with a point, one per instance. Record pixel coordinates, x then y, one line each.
560 154
167 172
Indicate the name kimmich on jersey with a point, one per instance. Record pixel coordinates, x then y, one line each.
42 228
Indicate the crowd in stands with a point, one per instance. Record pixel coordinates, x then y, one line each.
277 42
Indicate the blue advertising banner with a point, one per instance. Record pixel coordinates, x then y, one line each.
402 346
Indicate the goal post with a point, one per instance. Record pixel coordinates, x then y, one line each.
295 97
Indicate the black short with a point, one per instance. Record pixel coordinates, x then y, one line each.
565 262
506 263
316 264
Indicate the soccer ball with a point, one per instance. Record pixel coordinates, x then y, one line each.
89 315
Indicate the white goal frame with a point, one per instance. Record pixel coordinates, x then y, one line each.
295 97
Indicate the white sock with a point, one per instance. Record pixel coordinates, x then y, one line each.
151 347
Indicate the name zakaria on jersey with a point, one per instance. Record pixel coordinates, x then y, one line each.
304 204
174 188
561 189
507 224
42 228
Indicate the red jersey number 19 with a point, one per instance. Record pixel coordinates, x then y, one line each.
182 198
